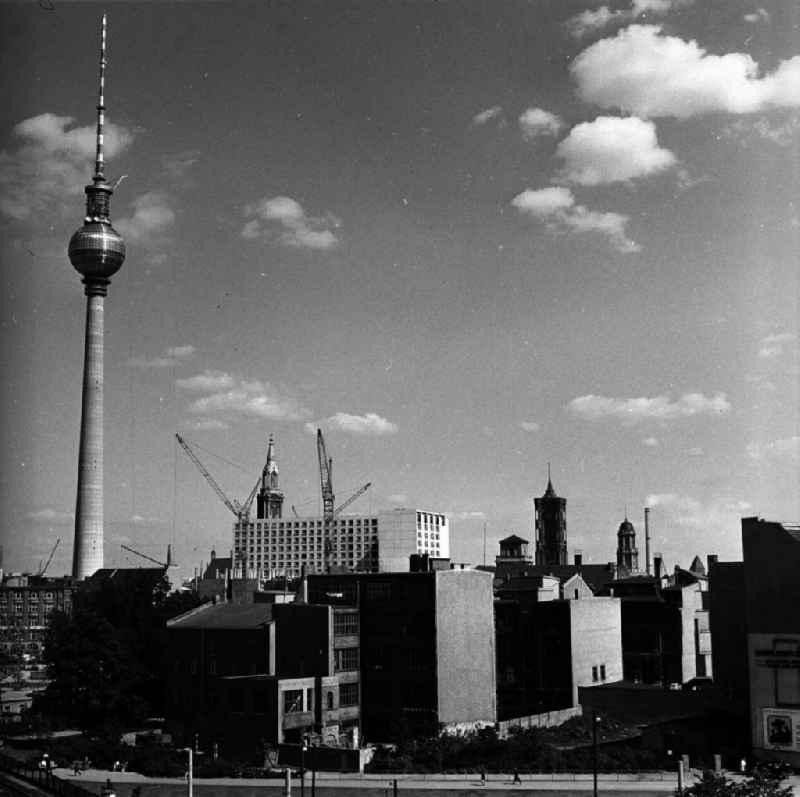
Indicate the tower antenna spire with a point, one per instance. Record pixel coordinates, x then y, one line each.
99 162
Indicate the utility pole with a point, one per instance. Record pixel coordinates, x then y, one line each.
595 721
189 773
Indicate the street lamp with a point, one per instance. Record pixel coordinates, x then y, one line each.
303 748
595 720
189 773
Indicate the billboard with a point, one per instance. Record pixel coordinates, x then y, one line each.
781 729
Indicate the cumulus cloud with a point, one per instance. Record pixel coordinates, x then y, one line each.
151 217
611 150
635 410
529 426
230 397
651 442
178 164
786 448
674 77
254 399
772 346
172 355
467 514
283 219
206 425
557 207
51 164
593 20
370 424
50 515
209 381
759 15
719 514
495 112
535 122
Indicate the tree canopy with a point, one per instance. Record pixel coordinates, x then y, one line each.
106 661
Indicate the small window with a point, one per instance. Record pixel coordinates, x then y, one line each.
348 695
602 672
330 701
594 673
292 701
576 594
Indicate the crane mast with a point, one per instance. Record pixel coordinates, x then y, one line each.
326 484
43 570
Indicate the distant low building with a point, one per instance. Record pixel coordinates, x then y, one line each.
26 603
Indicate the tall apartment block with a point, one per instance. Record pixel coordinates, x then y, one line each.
363 543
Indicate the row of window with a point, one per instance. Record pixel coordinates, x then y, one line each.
598 672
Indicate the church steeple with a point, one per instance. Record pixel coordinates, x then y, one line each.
269 503
627 553
550 520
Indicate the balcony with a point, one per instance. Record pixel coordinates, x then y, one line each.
298 719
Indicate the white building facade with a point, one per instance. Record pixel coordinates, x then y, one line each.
382 542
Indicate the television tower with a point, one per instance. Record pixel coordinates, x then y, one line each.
96 251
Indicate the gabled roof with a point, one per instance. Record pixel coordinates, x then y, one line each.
595 576
697 566
225 616
512 539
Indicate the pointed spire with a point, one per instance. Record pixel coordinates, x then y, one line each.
549 492
99 163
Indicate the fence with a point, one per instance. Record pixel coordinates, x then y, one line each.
43 778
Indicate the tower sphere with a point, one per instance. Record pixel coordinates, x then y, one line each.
96 250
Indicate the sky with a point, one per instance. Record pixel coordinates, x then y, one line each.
466 239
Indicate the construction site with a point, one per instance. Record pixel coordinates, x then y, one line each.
270 545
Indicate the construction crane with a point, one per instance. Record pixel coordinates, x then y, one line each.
240 510
357 494
43 570
328 511
165 565
326 485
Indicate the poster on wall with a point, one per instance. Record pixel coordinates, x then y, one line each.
781 729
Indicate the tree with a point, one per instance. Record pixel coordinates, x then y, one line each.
764 781
107 661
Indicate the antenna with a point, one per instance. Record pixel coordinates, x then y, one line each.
101 108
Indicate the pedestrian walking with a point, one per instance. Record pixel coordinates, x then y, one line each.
483 776
516 780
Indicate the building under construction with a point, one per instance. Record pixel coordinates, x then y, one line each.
273 545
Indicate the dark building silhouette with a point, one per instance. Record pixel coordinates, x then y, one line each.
513 550
269 502
427 648
627 553
771 553
551 527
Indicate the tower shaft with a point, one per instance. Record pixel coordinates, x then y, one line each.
87 555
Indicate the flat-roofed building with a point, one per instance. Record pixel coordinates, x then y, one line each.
362 543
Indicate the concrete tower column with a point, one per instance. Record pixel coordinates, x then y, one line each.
87 555
97 252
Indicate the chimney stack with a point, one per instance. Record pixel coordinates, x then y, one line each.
578 558
657 564
647 539
711 560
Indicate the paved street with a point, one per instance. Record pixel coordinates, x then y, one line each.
337 785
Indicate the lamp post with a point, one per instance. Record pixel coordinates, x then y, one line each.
189 774
303 748
595 721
